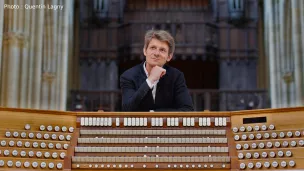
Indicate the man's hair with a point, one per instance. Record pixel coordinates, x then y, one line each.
160 35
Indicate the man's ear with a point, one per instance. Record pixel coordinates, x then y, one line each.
144 50
169 57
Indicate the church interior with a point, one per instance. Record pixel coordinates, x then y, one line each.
60 97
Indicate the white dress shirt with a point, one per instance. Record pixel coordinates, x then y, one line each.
154 85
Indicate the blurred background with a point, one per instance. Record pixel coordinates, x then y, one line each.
235 54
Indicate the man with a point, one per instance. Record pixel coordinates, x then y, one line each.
153 85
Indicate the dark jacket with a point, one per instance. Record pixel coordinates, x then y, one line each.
171 94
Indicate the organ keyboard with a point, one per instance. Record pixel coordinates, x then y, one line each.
244 140
156 142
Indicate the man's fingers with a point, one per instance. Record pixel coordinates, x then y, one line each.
163 73
158 71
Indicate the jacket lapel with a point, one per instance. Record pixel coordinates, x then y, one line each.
148 100
142 74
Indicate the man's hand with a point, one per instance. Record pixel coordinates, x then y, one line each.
156 73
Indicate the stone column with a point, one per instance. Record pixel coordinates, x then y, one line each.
54 54
58 56
30 18
48 92
296 24
288 74
74 68
35 50
23 56
38 42
1 36
282 56
287 70
46 58
278 55
10 73
13 50
262 61
271 44
65 56
301 9
283 26
23 73
45 91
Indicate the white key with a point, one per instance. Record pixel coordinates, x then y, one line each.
101 121
216 122
161 121
153 121
145 121
220 121
94 122
204 121
224 122
82 121
133 122
168 122
125 122
105 121
200 121
208 122
136 121
90 121
188 122
157 121
176 122
141 121
109 121
97 121
184 121
129 121
86 121
117 122
172 122
192 122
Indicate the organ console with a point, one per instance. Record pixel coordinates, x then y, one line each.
269 139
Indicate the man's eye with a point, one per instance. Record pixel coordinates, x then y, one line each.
152 47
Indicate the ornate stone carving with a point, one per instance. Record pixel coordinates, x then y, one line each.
15 38
288 77
48 76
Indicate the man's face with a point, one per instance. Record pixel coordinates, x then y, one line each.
157 53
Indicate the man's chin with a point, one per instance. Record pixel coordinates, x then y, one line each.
153 64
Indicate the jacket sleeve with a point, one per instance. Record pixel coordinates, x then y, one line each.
131 97
182 98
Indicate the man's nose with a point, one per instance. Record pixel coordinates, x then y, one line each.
157 52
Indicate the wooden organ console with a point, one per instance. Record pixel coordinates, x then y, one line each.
271 139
